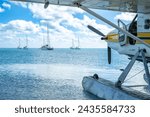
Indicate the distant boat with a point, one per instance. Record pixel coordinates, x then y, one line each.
78 47
73 46
19 45
26 46
48 45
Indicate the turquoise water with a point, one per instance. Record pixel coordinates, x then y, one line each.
57 74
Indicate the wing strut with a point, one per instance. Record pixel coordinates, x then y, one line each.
110 23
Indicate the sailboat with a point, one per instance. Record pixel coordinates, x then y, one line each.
19 45
48 45
43 46
78 47
26 47
72 47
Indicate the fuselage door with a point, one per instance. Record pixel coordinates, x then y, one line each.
122 37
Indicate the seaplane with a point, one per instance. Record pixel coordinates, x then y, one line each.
132 40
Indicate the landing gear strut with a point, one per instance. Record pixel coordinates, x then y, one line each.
129 66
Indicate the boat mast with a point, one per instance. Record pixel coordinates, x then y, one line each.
43 40
78 42
48 40
19 43
72 43
26 41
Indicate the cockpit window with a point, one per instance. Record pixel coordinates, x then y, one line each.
147 24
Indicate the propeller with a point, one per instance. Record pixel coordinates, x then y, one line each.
95 30
109 54
103 38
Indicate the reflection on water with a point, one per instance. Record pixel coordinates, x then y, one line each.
36 74
42 81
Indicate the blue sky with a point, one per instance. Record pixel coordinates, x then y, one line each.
18 20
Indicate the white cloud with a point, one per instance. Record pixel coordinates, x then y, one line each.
15 29
21 26
6 5
103 28
61 18
1 10
63 27
125 16
53 12
22 4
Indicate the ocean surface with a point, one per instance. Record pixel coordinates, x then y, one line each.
43 74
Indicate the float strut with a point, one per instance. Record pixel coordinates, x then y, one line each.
145 66
127 70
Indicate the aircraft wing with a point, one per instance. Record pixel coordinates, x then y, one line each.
136 6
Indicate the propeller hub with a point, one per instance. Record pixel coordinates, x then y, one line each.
104 38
